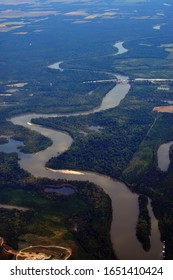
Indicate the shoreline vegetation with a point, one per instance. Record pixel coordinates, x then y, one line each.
74 221
126 146
146 166
143 227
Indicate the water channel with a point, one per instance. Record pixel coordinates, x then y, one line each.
163 156
124 202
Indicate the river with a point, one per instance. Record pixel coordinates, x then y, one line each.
163 156
124 202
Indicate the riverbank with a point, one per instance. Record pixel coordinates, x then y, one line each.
117 191
123 236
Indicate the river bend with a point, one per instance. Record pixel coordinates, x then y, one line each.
124 202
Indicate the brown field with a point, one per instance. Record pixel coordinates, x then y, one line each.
164 109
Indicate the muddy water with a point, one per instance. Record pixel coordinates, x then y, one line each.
124 202
163 156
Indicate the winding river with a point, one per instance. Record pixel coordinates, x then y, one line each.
124 202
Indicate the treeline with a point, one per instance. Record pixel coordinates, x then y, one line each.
145 159
10 172
13 224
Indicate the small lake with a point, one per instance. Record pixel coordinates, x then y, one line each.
11 147
120 47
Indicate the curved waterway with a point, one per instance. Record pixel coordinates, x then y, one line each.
124 202
163 156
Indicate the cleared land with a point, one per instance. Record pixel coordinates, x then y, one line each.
164 109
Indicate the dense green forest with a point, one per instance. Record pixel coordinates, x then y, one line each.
51 219
121 142
143 227
114 149
129 148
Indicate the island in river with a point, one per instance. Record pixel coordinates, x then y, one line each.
82 96
123 233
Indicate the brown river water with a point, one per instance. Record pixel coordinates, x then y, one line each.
124 202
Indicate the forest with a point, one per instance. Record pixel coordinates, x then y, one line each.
129 144
143 227
113 150
51 219
121 142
